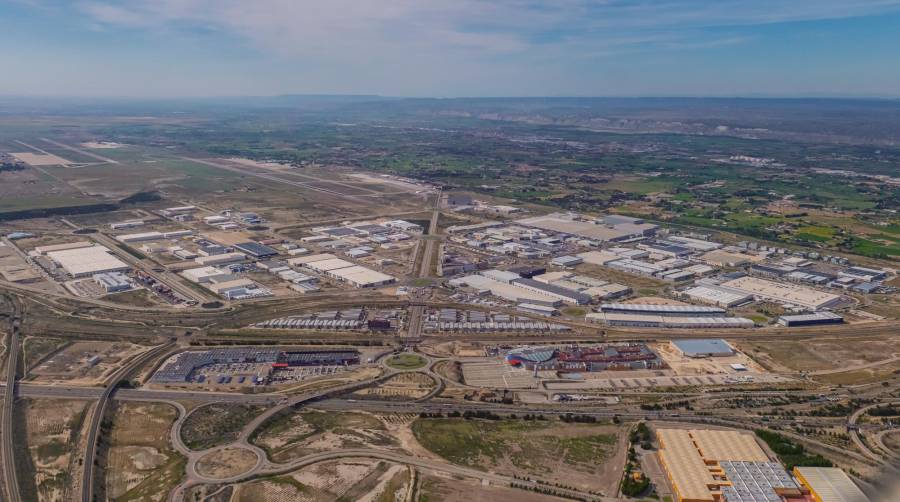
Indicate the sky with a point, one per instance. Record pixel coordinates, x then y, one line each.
450 48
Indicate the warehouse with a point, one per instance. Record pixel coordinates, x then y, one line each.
552 290
146 236
42 250
722 297
695 244
660 321
636 267
202 275
362 277
829 484
717 466
713 347
784 293
504 290
567 261
303 260
85 262
221 259
719 258
666 310
329 265
611 228
255 249
112 282
815 319
598 257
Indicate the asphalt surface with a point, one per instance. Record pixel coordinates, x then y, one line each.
88 472
10 476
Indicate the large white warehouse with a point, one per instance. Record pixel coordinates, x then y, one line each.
87 261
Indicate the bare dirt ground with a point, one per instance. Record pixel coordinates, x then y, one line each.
141 465
404 386
445 489
73 364
682 365
824 353
301 434
52 435
350 479
226 463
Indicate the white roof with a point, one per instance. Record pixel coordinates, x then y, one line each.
329 265
362 276
90 260
302 260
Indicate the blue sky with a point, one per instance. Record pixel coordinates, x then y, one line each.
173 48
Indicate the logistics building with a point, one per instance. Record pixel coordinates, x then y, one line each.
725 298
42 250
791 294
660 321
829 484
814 319
721 466
113 282
713 347
87 261
664 310
612 228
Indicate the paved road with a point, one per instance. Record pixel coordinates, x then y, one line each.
88 472
857 439
10 476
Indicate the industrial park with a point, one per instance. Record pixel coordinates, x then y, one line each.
353 297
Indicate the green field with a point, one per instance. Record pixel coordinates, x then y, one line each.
527 445
406 362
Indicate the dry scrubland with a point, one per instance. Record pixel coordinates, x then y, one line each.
296 435
345 480
573 454
141 465
216 424
53 430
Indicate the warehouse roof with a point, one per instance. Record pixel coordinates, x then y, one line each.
786 293
830 484
329 265
674 309
302 260
704 346
362 276
88 260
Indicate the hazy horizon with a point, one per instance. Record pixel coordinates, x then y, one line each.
451 48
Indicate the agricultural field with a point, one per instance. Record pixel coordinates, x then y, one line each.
53 429
295 435
140 463
216 424
573 454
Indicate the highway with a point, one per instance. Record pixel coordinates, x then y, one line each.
87 477
10 476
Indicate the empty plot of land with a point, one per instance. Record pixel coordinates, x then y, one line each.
226 463
497 375
825 353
